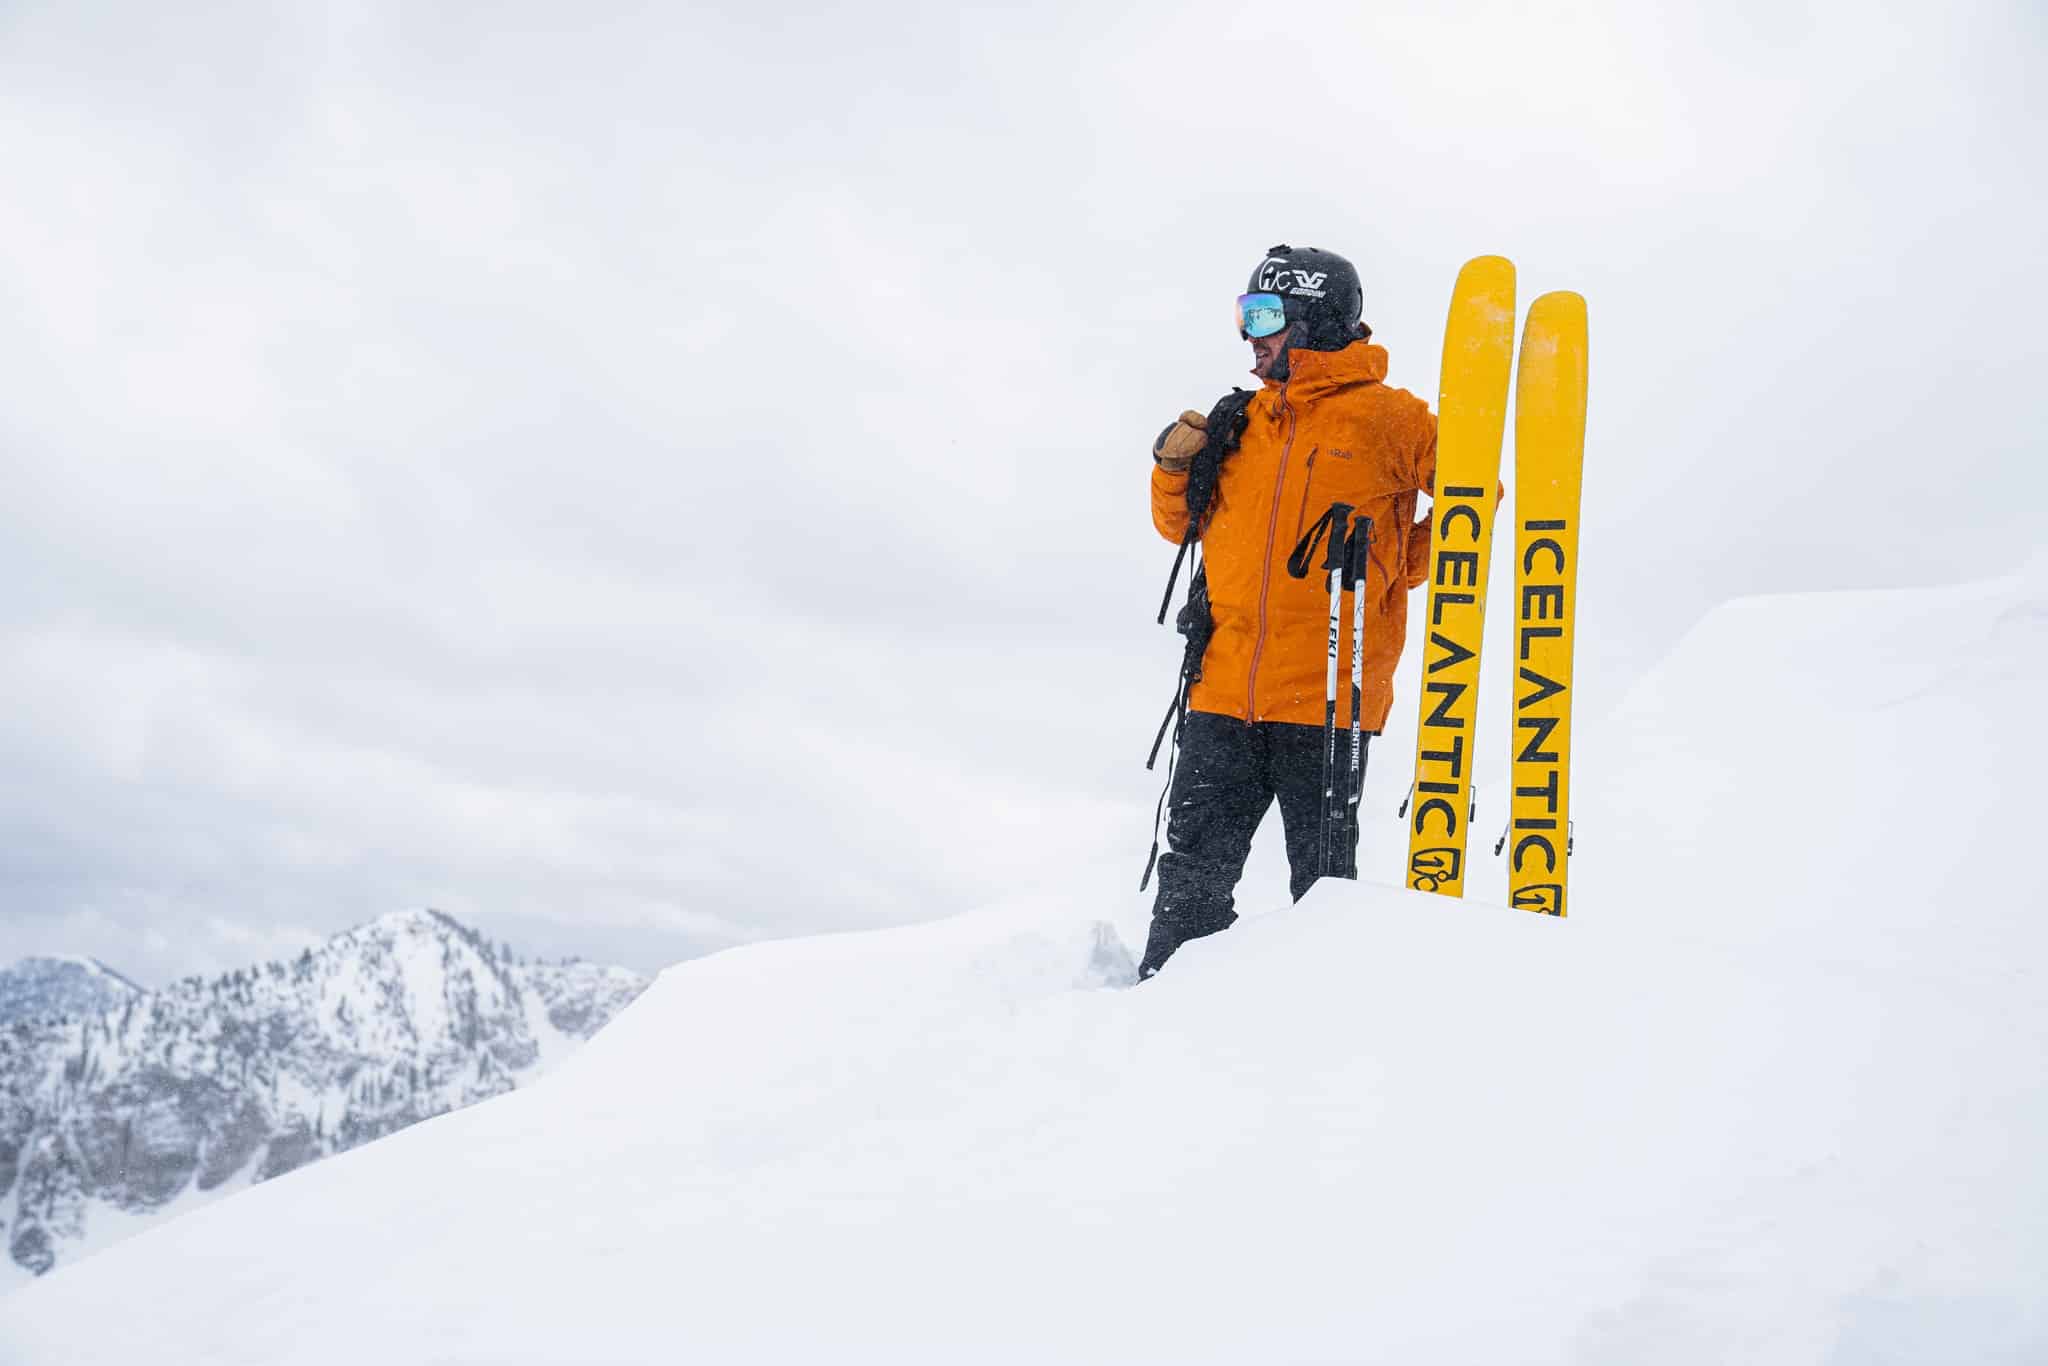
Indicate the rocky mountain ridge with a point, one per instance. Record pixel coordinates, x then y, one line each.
172 1097
36 988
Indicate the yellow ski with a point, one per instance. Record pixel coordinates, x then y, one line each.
1550 444
1472 403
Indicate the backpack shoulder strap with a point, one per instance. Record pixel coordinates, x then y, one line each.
1225 428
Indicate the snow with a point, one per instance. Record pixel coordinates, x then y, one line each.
1883 750
109 1224
1771 1094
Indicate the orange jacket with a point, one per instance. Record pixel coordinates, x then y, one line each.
1332 433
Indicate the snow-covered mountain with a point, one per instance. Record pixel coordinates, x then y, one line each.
1772 1094
40 988
158 1101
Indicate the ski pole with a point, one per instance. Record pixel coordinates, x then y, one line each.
1358 559
1336 559
1336 550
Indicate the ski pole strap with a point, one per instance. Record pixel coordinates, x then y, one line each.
1180 557
1176 708
1331 524
1152 859
1159 808
1359 558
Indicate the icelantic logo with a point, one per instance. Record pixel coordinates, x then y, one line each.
1543 637
1429 869
1276 276
1442 782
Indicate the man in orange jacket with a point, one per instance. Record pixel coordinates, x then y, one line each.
1324 429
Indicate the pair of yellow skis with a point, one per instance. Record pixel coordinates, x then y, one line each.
1550 439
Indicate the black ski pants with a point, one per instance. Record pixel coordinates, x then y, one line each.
1229 773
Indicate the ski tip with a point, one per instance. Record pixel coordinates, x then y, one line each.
1551 385
1487 273
1559 310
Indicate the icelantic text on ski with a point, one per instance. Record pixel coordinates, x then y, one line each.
1472 406
1550 442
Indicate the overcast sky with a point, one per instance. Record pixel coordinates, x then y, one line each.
652 481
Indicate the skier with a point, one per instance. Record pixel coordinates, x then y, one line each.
1324 428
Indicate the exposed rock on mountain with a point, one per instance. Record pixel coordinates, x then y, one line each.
142 1101
35 988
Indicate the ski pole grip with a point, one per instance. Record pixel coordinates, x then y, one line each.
1337 552
1360 556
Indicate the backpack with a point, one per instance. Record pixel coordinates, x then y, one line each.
1224 430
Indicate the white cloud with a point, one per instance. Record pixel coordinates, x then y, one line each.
589 470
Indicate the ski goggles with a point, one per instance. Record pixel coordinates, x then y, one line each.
1260 315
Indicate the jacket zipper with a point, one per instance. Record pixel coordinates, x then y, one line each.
1308 481
1251 684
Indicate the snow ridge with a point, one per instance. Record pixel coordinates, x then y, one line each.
1771 1094
145 1100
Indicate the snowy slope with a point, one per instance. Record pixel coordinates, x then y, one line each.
1773 1094
1859 773
167 1100
48 988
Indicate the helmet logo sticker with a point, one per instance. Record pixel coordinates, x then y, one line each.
1275 275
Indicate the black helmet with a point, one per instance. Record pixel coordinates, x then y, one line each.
1320 289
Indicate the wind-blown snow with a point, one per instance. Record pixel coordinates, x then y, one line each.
1772 1094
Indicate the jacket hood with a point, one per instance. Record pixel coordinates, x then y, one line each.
1313 372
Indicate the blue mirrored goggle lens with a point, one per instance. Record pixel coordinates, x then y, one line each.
1260 315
